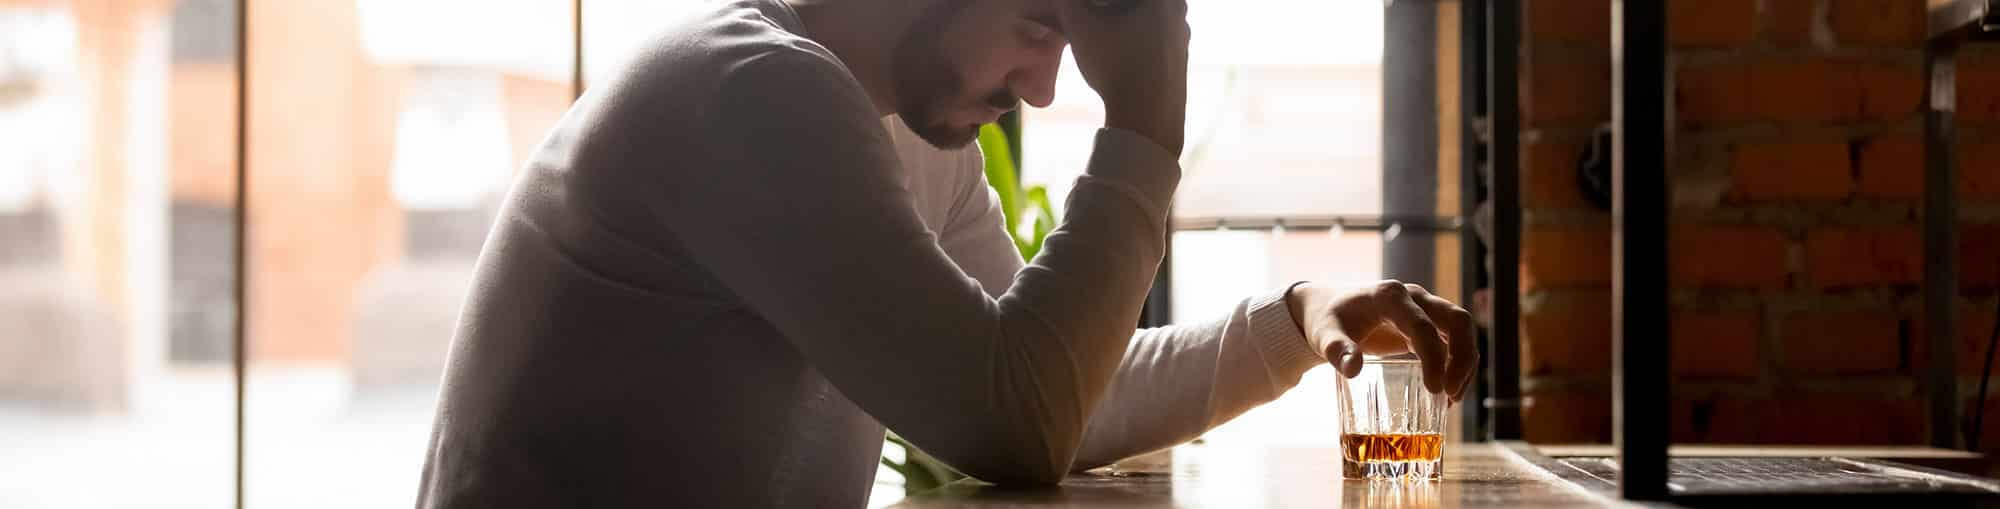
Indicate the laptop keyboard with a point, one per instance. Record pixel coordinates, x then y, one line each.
1758 475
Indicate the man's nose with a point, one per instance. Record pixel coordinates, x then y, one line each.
1036 85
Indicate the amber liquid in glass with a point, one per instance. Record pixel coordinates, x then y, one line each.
1381 455
1366 447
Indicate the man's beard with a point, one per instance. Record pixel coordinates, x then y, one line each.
925 81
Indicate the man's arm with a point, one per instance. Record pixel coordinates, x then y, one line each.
1173 383
1177 382
803 215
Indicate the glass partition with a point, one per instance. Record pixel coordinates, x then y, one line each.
384 134
117 204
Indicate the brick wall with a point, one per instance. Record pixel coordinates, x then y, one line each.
1796 249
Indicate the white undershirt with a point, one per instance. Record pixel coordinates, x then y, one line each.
722 274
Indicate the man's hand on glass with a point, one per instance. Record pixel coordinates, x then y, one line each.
1389 318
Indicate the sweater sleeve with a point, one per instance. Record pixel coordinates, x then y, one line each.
1174 382
1178 381
798 208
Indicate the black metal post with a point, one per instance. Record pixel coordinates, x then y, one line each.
1941 242
1471 154
1639 248
1503 368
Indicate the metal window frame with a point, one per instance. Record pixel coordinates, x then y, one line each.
1503 127
239 355
1472 191
1409 140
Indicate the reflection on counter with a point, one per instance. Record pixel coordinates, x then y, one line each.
1475 475
1403 494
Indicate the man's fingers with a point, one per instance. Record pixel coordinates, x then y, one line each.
1396 303
1346 358
1091 15
1354 324
1461 338
1111 7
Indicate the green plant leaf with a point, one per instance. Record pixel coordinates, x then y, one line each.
1045 221
921 472
1000 172
898 467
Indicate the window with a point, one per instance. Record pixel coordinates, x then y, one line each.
385 133
1284 124
116 230
1283 112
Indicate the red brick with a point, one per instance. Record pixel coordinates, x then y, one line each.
1549 175
1862 257
1567 21
1567 334
1975 331
1832 419
1989 425
1716 345
1711 23
1716 419
1979 257
1687 420
1808 91
1978 170
1842 343
1565 92
1978 92
1889 91
1747 257
1713 94
1975 326
1566 418
1791 22
1892 168
1877 22
1818 171
1573 257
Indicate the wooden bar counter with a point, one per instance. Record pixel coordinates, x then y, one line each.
1476 475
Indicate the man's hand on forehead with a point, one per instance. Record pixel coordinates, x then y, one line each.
1045 12
1134 54
1111 7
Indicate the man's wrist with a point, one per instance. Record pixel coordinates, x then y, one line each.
1295 302
1150 124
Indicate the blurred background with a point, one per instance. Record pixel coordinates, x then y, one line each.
381 136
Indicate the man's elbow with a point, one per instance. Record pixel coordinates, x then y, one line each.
1018 466
1018 475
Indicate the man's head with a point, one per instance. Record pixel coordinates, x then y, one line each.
965 62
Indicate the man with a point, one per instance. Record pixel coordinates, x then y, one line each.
728 268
